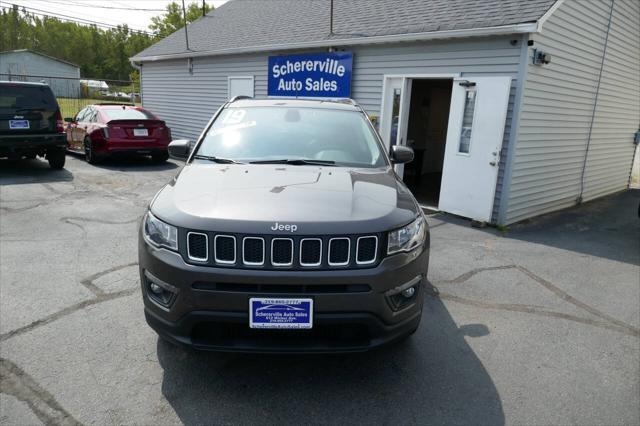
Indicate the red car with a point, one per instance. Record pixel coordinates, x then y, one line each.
101 130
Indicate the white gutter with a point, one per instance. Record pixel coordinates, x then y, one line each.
395 38
547 14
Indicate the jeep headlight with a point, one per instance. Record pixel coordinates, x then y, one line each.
408 237
160 234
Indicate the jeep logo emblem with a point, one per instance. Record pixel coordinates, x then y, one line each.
281 227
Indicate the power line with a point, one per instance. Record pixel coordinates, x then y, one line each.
69 6
49 14
103 7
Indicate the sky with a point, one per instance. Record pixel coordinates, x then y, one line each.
105 11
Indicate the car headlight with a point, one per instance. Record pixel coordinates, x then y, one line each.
159 233
408 237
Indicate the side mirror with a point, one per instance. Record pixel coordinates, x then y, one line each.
68 120
401 154
180 149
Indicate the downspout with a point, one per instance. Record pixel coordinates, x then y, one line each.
595 105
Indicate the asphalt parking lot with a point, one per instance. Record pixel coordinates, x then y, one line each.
536 325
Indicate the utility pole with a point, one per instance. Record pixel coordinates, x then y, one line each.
184 17
14 29
204 8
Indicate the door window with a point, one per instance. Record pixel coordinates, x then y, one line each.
395 115
464 144
81 115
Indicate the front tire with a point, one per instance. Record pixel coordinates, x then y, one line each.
56 158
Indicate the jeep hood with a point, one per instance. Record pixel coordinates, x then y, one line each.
241 198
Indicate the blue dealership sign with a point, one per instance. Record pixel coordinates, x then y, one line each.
324 75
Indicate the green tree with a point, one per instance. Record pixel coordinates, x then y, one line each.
172 20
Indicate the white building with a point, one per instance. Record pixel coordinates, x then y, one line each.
515 107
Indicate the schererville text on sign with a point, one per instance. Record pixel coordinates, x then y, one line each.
325 75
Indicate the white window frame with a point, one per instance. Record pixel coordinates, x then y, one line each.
241 77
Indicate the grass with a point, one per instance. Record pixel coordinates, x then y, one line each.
69 107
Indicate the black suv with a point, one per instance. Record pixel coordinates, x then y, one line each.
31 123
286 230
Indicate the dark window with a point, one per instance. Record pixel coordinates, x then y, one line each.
15 97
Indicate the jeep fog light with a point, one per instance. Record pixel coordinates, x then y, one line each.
408 293
405 294
159 291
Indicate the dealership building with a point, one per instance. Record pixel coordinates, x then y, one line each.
514 108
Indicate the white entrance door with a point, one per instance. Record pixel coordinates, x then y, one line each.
474 139
240 85
395 107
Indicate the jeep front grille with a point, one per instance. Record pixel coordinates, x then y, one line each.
283 252
310 252
198 246
225 249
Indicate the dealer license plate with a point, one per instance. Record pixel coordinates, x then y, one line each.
140 132
18 124
280 313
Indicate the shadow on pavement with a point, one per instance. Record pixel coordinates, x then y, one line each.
130 164
608 227
432 378
31 171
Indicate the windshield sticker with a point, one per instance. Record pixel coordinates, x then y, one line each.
233 127
235 116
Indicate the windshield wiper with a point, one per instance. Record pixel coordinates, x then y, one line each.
216 159
296 162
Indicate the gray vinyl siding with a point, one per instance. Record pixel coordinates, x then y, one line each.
617 114
28 66
187 101
558 105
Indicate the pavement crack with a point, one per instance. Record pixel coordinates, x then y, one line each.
105 297
14 381
66 219
607 322
540 312
101 296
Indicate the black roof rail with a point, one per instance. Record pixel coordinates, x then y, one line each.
239 97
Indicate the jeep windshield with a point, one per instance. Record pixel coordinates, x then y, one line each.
293 136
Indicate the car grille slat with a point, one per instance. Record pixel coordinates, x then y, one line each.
339 251
311 252
225 249
253 251
282 252
198 246
366 250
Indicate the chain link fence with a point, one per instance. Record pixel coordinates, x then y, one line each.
73 94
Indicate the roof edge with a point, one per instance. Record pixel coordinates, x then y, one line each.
434 35
35 52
